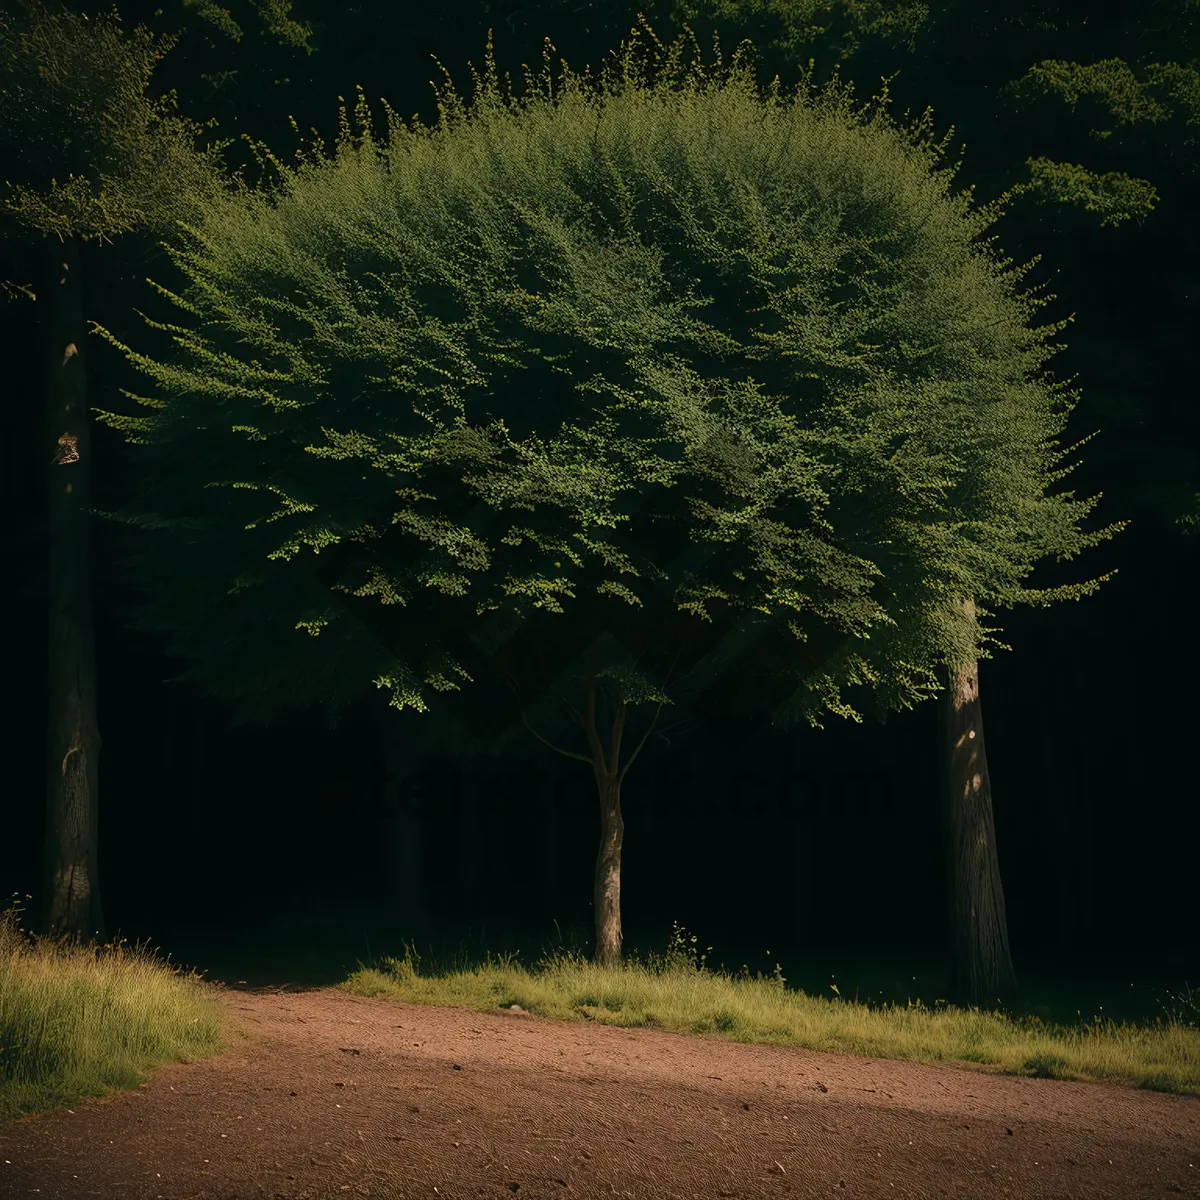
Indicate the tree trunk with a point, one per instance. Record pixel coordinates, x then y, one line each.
981 970
606 892
70 884
609 774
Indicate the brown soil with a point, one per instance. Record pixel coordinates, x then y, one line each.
326 1094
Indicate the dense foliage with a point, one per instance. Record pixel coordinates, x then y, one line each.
474 374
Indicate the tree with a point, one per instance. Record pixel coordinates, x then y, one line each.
803 497
72 104
981 964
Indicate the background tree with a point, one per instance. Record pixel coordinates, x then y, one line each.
977 915
453 310
72 105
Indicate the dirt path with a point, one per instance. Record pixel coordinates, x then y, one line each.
325 1094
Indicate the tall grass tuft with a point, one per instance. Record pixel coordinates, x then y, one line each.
81 1020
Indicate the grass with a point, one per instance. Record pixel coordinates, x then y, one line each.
83 1020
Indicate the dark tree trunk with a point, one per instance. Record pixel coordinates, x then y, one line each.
981 972
71 882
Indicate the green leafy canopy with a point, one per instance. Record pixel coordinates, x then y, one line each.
620 356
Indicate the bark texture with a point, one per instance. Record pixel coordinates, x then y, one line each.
606 894
71 883
609 774
981 971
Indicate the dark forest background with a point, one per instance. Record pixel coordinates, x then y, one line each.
259 847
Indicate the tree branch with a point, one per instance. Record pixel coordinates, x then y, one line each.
557 749
667 728
575 713
637 751
590 728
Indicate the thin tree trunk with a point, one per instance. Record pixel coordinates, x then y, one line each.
981 966
609 775
606 891
71 884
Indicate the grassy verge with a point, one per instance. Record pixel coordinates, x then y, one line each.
78 1021
83 1021
678 994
